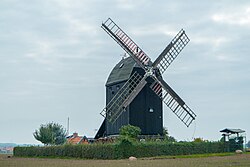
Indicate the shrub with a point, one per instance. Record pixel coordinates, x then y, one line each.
129 131
123 149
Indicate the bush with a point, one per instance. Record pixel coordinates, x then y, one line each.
130 131
123 149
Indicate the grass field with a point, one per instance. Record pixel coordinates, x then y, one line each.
191 161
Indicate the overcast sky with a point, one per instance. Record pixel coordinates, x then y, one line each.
55 60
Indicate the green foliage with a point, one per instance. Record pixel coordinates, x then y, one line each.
167 137
123 149
50 134
198 140
129 131
222 139
165 132
235 143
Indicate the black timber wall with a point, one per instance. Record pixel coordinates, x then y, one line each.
138 113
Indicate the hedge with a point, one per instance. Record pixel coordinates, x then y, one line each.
121 150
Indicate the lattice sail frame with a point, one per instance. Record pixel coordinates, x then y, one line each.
126 43
123 97
174 102
128 92
171 51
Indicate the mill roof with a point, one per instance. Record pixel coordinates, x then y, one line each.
227 130
122 71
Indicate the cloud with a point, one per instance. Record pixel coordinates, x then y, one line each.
131 4
155 29
41 51
215 41
239 17
55 58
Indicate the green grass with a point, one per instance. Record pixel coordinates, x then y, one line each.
205 155
193 156
208 160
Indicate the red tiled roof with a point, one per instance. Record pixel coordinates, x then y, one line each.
75 139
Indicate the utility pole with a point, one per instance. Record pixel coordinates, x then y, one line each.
68 127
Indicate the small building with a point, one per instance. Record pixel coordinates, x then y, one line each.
75 139
233 139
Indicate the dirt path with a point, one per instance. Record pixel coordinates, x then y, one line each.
235 160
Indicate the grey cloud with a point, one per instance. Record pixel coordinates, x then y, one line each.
55 60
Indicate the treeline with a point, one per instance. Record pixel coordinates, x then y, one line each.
120 150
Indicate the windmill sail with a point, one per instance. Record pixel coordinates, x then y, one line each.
171 51
173 101
123 97
134 85
126 43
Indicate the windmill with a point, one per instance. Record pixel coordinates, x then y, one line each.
135 89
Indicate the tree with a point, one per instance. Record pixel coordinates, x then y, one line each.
50 134
130 131
165 132
166 136
198 140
